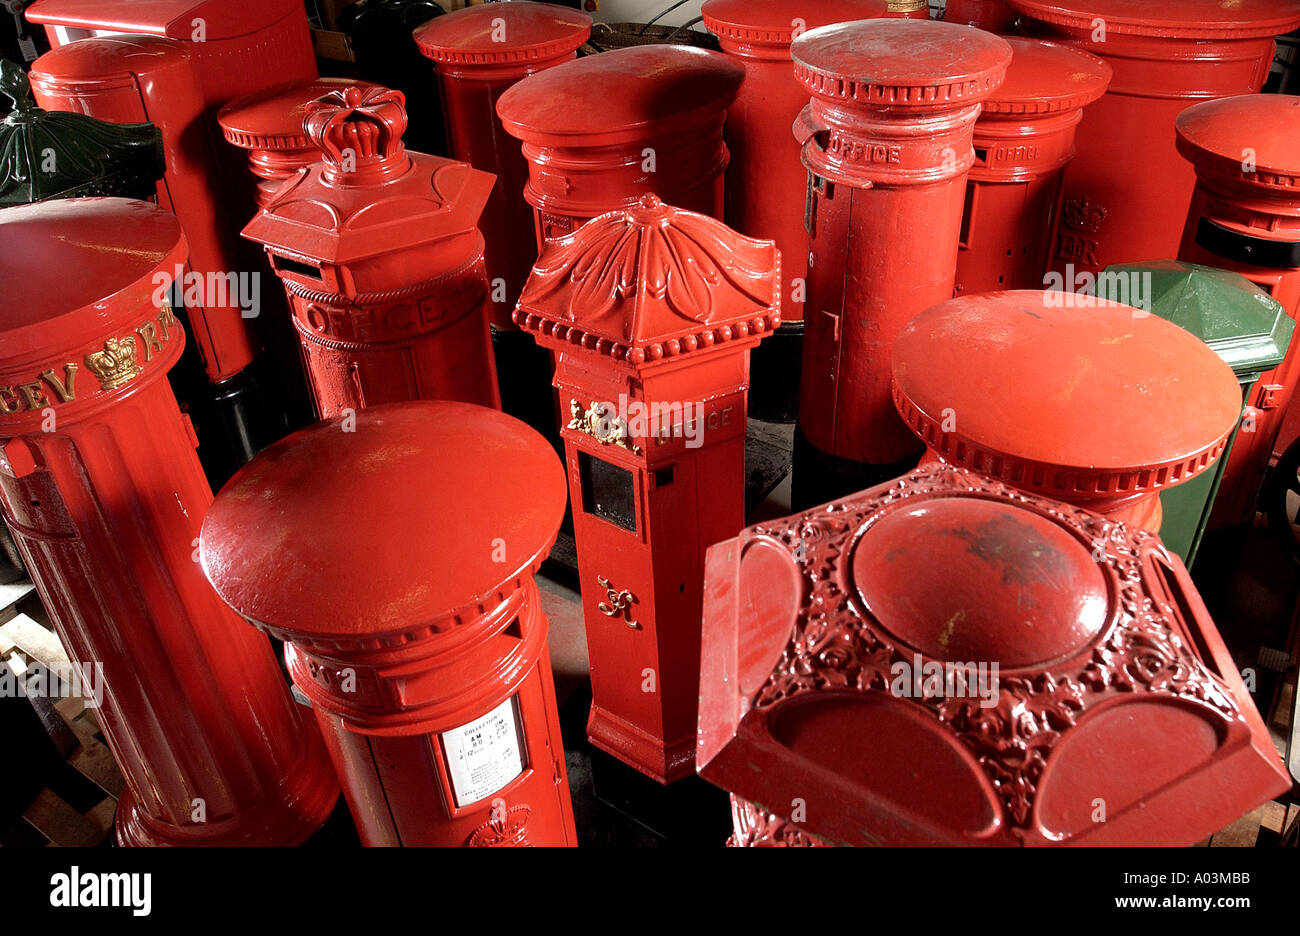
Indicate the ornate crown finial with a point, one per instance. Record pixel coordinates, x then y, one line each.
359 130
116 364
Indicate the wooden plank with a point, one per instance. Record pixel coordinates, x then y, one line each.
62 824
10 595
95 762
36 641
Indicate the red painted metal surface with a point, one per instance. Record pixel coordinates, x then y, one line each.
104 493
765 179
849 681
382 262
480 52
1245 217
992 15
1127 188
268 125
651 313
127 79
412 618
1092 402
602 131
1024 139
887 143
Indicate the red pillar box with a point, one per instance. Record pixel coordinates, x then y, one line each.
268 125
604 130
1066 396
1127 189
383 265
104 494
426 662
992 15
1245 217
1024 139
651 313
479 52
887 144
945 660
766 181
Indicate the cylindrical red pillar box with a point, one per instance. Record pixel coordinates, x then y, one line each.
381 259
1088 401
946 660
887 145
651 314
766 180
1024 139
479 52
991 15
1245 217
604 130
1127 189
104 495
268 125
412 619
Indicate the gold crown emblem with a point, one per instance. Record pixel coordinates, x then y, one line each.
115 365
1083 214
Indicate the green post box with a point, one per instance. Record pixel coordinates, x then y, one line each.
1243 324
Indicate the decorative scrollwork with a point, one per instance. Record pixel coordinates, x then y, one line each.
620 602
596 422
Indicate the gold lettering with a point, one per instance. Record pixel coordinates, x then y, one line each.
34 394
149 338
165 319
64 388
711 422
726 415
8 400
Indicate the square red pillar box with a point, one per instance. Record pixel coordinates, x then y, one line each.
1067 396
104 494
651 313
410 613
379 254
887 144
478 53
602 131
1126 190
1024 140
1245 217
946 660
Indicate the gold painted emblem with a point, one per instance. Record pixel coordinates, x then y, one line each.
595 422
116 364
620 602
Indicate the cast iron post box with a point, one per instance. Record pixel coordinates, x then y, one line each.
602 131
1127 189
1024 139
104 494
268 125
381 260
479 52
991 15
887 144
945 660
765 178
1243 325
651 314
1092 402
410 613
1245 217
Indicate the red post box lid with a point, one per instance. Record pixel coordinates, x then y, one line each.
173 18
623 95
1170 19
75 270
109 62
651 283
848 666
495 34
1072 395
901 63
272 119
1047 77
773 22
1251 137
384 532
368 195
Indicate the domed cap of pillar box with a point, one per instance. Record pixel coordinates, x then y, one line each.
1249 138
273 119
901 63
382 533
174 18
652 283
520 32
944 659
368 196
1064 394
621 96
775 22
1169 19
81 276
1048 78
